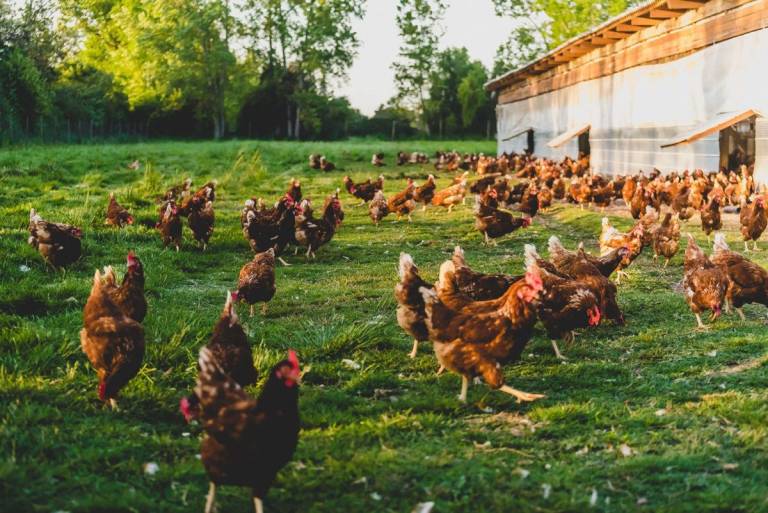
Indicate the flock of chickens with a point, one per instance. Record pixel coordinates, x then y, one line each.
476 322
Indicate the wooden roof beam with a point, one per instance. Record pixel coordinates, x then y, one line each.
601 41
610 34
645 22
663 14
623 27
684 4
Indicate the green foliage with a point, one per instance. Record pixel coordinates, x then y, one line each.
541 25
390 434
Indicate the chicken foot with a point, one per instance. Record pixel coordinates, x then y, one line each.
700 325
520 395
741 313
415 349
464 387
210 499
558 354
283 262
258 505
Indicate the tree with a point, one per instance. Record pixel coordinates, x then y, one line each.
544 24
476 103
418 23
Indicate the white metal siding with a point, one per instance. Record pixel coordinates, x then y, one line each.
634 111
761 149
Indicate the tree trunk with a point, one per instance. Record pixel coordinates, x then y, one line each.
288 124
297 128
394 125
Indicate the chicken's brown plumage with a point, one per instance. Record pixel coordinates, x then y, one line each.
256 282
753 221
229 345
313 233
402 203
170 226
410 303
58 243
201 220
112 341
366 190
129 295
747 281
704 283
247 440
666 238
425 192
378 209
478 337
479 286
117 215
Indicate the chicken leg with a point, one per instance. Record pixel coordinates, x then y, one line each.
113 404
666 262
258 505
520 395
741 313
700 325
464 387
210 499
415 349
283 262
558 354
264 308
251 310
746 247
424 208
754 246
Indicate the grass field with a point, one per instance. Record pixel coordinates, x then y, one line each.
650 416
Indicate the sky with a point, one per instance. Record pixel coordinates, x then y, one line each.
370 81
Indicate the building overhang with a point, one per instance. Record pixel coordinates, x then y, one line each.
710 126
567 136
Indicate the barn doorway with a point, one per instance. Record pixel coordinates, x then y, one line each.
737 145
584 144
531 142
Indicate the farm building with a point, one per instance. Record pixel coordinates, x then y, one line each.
670 84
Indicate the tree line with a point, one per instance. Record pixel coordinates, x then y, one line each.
74 70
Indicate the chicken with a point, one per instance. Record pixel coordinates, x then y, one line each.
747 281
170 226
59 244
112 341
704 283
639 202
480 336
628 191
424 193
649 219
753 221
366 190
255 205
272 228
314 161
129 296
117 215
377 159
247 441
326 165
410 303
229 345
666 238
580 192
611 238
711 220
313 233
605 264
681 205
201 220
294 190
378 208
575 265
177 192
493 222
402 203
478 286
529 204
565 306
451 196
256 283
545 198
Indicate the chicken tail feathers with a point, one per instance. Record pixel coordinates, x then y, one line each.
720 244
531 255
406 266
554 245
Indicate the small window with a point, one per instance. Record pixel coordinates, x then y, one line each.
584 144
737 145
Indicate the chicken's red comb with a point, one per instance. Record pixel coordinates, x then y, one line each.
293 358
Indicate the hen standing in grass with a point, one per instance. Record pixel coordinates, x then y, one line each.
410 304
229 345
314 233
201 219
378 208
753 221
747 281
402 203
704 283
59 244
256 282
475 285
666 238
424 193
247 440
476 338
117 215
365 191
112 341
611 238
129 296
170 226
711 220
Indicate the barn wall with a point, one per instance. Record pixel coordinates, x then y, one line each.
761 149
633 112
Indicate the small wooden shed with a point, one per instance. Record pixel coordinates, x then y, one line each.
670 84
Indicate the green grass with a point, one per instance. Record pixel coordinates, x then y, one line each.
391 434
